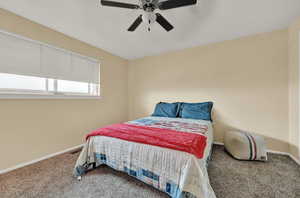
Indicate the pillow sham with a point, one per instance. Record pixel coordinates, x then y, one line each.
164 109
182 104
201 111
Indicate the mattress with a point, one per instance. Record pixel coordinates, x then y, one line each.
177 173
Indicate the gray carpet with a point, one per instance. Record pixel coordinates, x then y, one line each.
278 178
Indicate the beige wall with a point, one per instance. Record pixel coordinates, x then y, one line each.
294 31
30 129
247 79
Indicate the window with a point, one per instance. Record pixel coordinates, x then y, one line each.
12 82
33 69
18 84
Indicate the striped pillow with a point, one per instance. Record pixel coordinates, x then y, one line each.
245 146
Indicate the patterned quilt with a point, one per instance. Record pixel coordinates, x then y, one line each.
177 173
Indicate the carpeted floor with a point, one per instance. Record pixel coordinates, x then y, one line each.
278 178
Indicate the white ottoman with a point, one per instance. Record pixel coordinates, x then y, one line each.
245 146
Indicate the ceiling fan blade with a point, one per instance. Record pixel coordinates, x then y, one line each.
163 22
135 24
169 4
119 4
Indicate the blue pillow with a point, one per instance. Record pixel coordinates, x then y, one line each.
164 109
200 111
178 108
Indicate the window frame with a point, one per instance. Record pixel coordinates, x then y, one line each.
39 94
43 96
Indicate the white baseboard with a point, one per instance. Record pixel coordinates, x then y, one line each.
219 143
295 159
79 146
40 159
285 153
272 151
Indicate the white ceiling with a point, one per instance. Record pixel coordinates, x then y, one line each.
207 22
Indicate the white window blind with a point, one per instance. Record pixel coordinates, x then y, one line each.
19 56
83 70
64 72
55 64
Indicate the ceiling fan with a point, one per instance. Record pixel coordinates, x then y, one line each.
149 6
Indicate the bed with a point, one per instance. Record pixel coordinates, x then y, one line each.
177 173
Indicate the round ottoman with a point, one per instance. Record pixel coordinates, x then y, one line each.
245 146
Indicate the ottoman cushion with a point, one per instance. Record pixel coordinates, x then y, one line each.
245 146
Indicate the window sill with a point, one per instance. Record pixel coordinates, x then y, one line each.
45 96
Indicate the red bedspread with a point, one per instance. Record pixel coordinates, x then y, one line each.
182 141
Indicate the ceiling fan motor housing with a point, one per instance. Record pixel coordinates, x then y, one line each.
149 6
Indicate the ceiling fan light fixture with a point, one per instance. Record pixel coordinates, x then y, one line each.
149 17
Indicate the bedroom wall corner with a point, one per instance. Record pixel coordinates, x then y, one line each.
294 89
247 78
